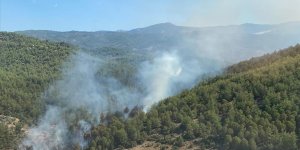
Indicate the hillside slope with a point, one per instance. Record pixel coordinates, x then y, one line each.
27 67
255 105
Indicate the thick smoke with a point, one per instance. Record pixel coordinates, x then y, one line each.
171 72
82 95
49 134
158 76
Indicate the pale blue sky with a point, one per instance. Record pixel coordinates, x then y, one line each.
93 15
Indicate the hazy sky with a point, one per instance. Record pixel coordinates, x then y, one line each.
92 15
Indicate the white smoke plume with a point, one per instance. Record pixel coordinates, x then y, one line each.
81 89
49 134
171 72
158 76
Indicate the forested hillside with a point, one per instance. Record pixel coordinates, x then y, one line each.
254 105
27 67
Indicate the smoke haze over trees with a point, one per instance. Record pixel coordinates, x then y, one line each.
106 93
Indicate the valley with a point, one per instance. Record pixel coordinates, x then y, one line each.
159 87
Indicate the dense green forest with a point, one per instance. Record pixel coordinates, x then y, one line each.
27 67
253 105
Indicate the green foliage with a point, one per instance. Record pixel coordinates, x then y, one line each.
27 67
7 138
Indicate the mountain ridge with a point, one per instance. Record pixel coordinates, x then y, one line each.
252 39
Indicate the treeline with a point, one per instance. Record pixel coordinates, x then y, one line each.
255 105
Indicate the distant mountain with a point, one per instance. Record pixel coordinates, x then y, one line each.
231 43
157 28
135 39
